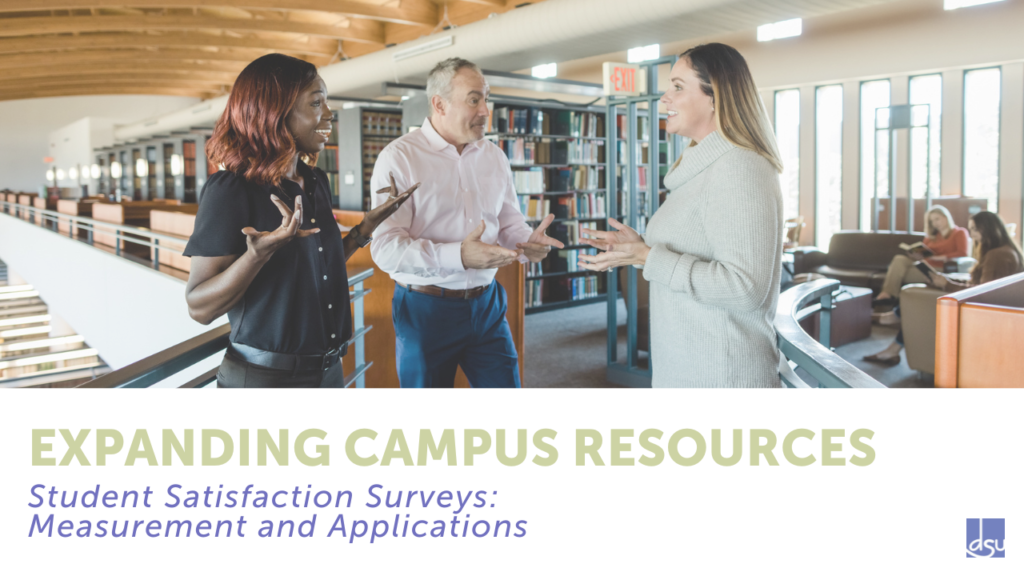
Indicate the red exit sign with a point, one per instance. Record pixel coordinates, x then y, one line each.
624 79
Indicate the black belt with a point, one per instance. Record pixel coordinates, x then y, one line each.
290 362
445 292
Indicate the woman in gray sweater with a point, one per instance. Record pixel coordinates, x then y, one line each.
712 252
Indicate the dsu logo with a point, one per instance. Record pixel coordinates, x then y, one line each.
986 538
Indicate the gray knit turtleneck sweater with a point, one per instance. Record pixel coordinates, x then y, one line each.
714 269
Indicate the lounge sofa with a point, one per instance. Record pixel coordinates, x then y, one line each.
858 258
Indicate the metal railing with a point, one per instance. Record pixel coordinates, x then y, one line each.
156 368
813 356
134 234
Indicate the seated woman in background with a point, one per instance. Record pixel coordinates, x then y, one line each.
945 240
998 257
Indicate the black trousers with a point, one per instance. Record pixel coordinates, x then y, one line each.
237 373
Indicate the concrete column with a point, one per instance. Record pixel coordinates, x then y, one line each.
900 91
851 155
952 132
1011 145
807 164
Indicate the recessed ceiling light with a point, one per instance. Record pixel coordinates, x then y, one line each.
954 4
777 30
545 70
642 53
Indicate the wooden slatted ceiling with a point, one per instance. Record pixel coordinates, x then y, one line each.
180 48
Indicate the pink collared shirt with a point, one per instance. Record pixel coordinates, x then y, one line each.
421 243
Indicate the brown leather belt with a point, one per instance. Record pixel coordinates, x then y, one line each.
444 292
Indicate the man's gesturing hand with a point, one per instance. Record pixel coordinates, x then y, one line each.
539 244
262 245
480 256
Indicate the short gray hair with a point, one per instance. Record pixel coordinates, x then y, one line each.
439 82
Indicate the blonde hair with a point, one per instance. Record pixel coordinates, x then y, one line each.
931 230
740 115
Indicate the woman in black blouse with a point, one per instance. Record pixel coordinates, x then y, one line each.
266 249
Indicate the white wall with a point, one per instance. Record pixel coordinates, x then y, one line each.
103 297
25 127
73 145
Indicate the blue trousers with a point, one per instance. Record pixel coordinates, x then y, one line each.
436 335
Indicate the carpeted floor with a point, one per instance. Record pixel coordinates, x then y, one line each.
568 349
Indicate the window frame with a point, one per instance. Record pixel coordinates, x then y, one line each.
963 133
817 159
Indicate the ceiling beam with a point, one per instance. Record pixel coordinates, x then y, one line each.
115 80
497 3
103 91
13 27
314 46
133 69
211 60
416 14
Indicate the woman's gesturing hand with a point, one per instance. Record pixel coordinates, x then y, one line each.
374 217
622 247
262 245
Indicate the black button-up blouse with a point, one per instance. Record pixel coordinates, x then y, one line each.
298 303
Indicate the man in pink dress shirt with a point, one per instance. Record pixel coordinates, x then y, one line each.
444 245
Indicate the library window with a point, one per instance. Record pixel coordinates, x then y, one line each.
926 143
828 187
874 149
787 135
981 135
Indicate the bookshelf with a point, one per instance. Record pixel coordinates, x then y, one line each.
170 189
153 191
367 130
557 153
103 159
188 156
136 181
159 180
640 146
640 159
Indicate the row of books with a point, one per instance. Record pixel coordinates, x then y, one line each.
643 127
531 120
534 293
586 151
379 124
642 153
563 261
188 154
569 232
506 119
539 292
372 149
523 151
537 180
580 205
576 206
584 287
534 208
526 151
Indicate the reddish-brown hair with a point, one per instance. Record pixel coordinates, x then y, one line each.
251 138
